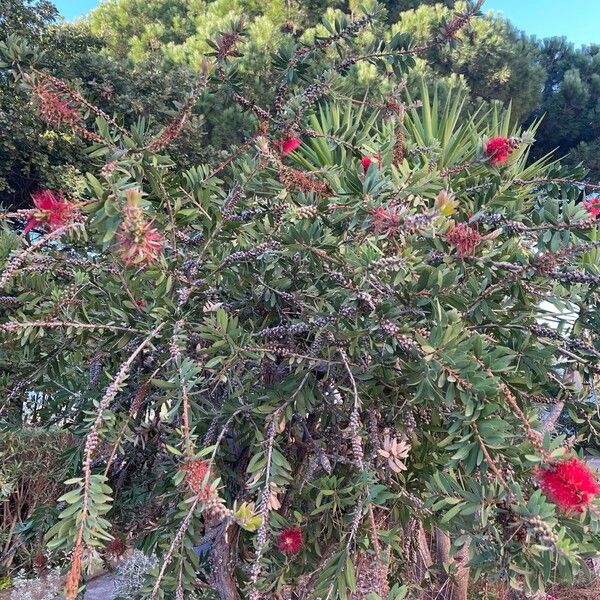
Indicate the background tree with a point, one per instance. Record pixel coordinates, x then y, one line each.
34 155
570 102
27 18
26 154
134 58
496 61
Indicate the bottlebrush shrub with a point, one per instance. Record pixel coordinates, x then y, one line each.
283 342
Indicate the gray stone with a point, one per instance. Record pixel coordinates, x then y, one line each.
101 588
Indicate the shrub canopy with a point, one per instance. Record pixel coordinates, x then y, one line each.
289 371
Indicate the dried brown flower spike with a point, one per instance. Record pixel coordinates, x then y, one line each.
395 450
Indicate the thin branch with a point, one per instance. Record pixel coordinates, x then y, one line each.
92 441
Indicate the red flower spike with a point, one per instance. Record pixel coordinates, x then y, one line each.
139 241
367 161
288 144
55 109
385 220
498 150
592 205
290 540
116 547
51 211
570 484
465 238
197 478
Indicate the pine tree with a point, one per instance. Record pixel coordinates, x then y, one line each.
570 102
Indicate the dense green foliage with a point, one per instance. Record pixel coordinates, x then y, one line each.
297 341
134 57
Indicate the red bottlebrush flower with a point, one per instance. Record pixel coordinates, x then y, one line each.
385 220
297 180
139 241
367 161
116 547
498 150
54 108
570 484
171 131
592 205
288 144
465 238
40 562
51 211
290 540
197 478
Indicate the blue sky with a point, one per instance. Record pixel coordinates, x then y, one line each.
579 20
75 8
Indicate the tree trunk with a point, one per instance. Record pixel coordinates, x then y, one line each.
460 586
223 553
422 562
457 586
371 577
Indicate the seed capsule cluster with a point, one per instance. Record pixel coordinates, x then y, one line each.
94 370
231 201
311 94
582 346
278 349
543 532
510 522
356 443
410 423
573 277
387 263
283 331
279 102
216 508
435 257
547 332
352 29
367 299
545 263
407 344
346 312
515 227
183 295
191 239
252 253
575 344
487 218
307 212
415 222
